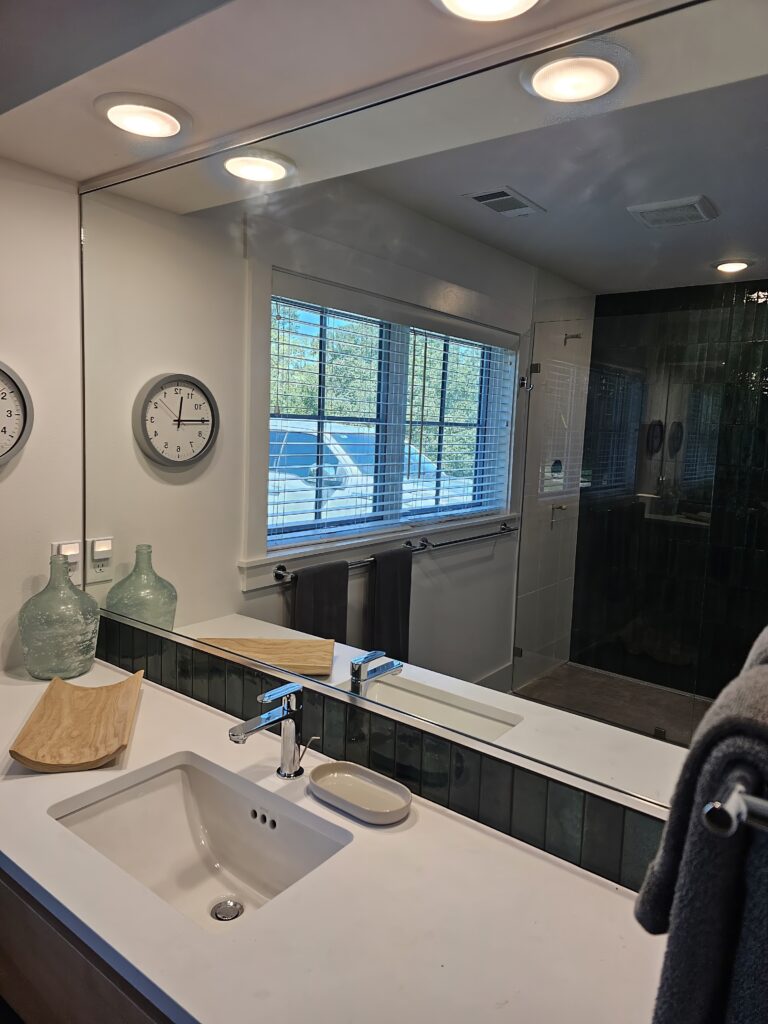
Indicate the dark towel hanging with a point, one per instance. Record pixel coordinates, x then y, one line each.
389 600
320 601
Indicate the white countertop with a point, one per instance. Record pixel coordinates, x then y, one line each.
437 916
634 764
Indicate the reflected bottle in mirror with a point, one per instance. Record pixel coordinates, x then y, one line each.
58 627
143 595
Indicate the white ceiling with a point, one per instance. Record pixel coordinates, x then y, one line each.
251 62
585 173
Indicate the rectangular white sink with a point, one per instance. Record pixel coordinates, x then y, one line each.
196 835
450 710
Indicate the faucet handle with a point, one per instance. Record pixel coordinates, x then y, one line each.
280 693
365 659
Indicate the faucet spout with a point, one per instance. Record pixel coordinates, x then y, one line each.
360 671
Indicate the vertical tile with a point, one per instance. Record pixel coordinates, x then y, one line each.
496 794
408 756
184 669
113 642
565 821
603 828
529 807
464 794
233 697
358 734
139 659
435 769
312 718
217 686
154 657
334 728
125 643
252 683
382 745
200 663
168 664
101 639
642 834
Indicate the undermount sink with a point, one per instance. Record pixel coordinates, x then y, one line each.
442 707
204 839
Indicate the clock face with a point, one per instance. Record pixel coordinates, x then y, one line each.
15 414
175 420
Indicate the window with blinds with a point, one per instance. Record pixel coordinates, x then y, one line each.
614 410
375 423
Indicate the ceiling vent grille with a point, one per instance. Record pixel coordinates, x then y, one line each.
674 212
506 201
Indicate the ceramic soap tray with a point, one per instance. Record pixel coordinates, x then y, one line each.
360 792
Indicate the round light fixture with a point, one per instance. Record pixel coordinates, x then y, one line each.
732 266
148 116
575 79
486 10
262 167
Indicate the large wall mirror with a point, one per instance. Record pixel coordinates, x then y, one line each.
474 345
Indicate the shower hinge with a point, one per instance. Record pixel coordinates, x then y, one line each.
517 652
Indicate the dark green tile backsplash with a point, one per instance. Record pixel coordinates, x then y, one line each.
601 836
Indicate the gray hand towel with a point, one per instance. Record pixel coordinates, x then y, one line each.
389 599
708 892
320 601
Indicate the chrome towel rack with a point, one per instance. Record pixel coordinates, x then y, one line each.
283 575
733 807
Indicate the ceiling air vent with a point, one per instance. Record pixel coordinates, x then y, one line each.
506 201
674 212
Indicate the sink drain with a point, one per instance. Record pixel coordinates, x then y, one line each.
227 910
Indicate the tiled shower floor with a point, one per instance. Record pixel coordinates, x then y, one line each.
629 703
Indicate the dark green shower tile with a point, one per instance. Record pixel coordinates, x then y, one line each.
154 657
496 794
382 745
200 668
529 807
139 659
251 692
435 769
312 724
217 687
358 735
464 794
233 697
603 832
334 728
184 670
168 664
408 756
125 647
565 820
642 834
101 640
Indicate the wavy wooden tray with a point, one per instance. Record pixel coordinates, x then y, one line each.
310 657
73 728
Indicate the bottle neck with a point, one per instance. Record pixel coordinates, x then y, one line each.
59 571
144 558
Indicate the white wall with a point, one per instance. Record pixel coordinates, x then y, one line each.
550 521
41 489
164 293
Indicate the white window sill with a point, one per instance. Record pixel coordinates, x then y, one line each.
256 573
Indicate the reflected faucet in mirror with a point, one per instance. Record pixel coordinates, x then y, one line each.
361 672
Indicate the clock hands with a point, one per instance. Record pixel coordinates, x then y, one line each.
178 420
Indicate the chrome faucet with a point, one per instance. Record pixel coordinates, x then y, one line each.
289 713
360 672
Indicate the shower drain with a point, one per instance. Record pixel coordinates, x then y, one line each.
227 910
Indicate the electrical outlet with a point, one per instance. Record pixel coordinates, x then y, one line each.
73 550
99 559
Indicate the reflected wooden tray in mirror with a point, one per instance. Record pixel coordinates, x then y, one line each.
313 657
74 728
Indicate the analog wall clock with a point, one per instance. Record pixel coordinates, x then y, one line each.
175 419
15 414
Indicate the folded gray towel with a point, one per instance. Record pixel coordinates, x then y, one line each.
711 893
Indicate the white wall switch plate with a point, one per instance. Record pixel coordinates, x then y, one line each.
99 554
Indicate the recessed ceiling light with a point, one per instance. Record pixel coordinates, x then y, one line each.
574 79
148 116
732 266
263 167
486 10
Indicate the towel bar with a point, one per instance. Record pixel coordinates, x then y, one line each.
283 575
733 807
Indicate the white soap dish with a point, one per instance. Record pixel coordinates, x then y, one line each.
360 792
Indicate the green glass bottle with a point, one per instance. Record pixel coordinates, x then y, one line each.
59 627
143 595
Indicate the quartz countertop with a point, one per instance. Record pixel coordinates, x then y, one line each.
437 915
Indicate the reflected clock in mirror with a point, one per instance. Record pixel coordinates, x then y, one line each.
15 414
175 419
